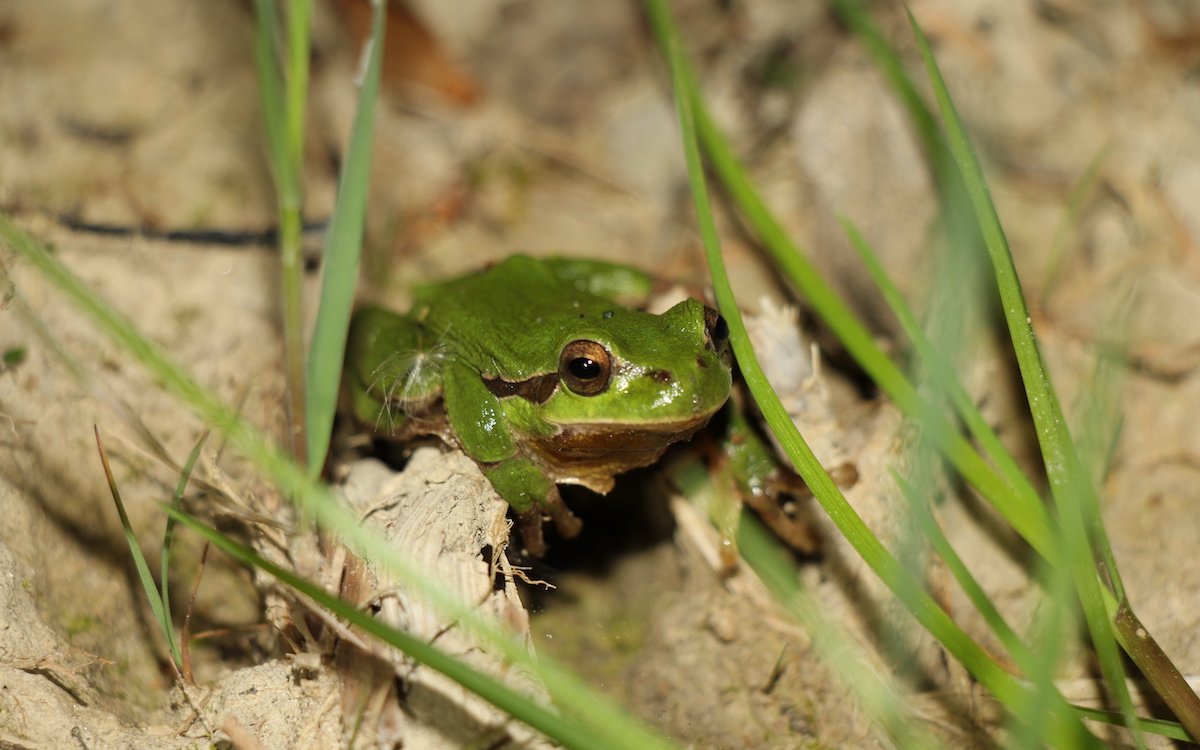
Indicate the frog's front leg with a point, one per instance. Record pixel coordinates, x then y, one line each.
532 496
392 378
483 432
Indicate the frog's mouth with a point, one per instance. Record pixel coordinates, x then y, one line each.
591 453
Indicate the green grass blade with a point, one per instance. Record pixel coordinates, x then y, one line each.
1067 729
955 207
169 531
1163 728
1099 416
856 17
1053 633
1025 510
970 586
342 253
1075 200
161 615
569 733
299 23
283 97
291 221
270 87
602 716
1068 483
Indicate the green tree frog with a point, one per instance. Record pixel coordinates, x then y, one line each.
542 373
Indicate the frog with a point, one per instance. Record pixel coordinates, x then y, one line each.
545 372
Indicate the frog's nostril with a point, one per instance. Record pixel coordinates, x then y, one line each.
701 363
661 376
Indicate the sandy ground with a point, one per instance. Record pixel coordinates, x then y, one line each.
547 128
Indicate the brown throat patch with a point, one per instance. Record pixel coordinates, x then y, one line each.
590 455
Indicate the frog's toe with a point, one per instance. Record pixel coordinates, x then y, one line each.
567 524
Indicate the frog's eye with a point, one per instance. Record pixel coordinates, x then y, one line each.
585 367
716 327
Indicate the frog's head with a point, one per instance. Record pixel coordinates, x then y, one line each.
630 371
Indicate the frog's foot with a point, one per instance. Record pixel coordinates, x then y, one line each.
775 503
553 508
793 531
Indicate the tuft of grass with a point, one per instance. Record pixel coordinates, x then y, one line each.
1074 495
1066 728
158 598
1041 714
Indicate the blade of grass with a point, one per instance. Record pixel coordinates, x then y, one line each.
169 532
284 100
1161 727
1055 629
1027 721
1058 243
270 88
1029 717
161 616
291 220
889 63
1025 510
970 586
1160 671
342 252
298 15
569 733
1067 729
1068 483
316 501
186 645
1099 417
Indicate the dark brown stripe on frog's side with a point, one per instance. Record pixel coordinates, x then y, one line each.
537 389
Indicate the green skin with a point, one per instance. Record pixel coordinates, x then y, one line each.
539 372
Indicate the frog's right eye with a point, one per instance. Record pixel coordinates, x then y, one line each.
715 327
585 366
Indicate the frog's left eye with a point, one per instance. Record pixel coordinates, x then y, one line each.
585 366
